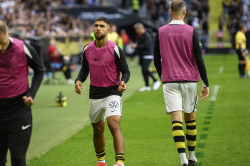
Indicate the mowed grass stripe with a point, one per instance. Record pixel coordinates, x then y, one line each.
226 135
148 133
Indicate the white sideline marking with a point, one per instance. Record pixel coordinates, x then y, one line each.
215 92
221 70
138 103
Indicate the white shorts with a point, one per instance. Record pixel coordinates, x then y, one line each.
181 96
100 109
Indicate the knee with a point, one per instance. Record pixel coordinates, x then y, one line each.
98 131
144 70
114 127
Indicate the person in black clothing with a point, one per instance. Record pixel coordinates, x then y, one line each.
16 98
144 48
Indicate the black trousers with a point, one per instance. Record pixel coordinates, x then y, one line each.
67 71
145 71
15 133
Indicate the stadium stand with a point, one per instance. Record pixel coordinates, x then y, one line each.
37 17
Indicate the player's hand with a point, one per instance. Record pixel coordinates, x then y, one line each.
244 54
134 45
246 51
78 84
66 58
204 93
28 101
122 87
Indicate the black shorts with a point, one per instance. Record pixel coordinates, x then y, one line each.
240 55
15 133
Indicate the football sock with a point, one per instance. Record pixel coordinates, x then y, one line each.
191 133
239 67
179 140
120 158
243 69
101 156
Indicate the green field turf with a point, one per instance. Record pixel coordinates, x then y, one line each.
222 123
53 125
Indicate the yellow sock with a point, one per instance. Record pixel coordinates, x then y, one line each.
179 140
178 136
101 155
191 133
120 158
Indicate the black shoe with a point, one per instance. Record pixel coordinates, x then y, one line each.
184 165
192 162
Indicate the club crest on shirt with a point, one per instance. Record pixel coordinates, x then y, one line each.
113 104
200 44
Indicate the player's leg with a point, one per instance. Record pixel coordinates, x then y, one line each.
173 101
19 133
150 74
189 102
191 134
67 73
113 114
178 135
96 114
145 76
3 141
118 141
99 140
239 65
146 70
243 68
242 64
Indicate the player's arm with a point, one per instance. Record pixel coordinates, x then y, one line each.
157 55
35 63
83 73
200 64
122 65
243 52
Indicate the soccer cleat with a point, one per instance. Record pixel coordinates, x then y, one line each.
156 85
70 81
184 165
101 164
192 162
145 88
117 164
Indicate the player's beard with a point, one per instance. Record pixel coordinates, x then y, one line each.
3 50
100 37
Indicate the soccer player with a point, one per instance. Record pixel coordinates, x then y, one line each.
113 35
240 46
179 63
144 48
104 60
16 98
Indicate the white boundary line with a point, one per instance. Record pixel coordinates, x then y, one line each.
221 70
215 92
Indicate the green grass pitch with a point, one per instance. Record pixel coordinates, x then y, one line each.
63 136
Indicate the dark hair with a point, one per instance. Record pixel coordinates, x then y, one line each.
3 27
177 5
104 19
242 26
